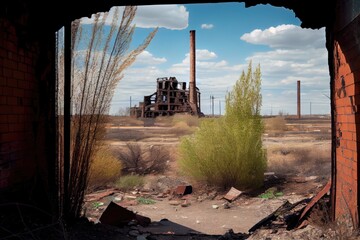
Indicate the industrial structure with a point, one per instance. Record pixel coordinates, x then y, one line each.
172 96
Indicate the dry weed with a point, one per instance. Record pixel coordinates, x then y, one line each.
141 160
308 161
105 168
275 124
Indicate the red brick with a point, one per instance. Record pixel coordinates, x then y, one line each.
11 101
13 118
344 69
8 72
12 82
351 145
10 64
19 75
22 67
17 92
348 154
23 84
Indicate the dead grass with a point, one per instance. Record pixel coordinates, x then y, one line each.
105 168
125 121
182 129
142 160
275 124
171 121
310 160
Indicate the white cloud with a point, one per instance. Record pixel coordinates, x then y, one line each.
207 26
146 58
174 17
286 37
294 56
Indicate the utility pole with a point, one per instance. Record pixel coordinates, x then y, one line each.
130 107
219 108
213 105
310 109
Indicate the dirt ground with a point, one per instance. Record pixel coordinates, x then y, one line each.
298 168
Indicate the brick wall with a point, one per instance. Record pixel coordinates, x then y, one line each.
18 96
346 94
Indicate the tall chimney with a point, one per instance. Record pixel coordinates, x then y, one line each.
298 100
192 83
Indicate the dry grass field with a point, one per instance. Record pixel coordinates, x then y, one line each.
298 166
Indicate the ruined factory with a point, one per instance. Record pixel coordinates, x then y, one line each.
172 96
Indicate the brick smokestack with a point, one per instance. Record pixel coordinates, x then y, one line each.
298 100
192 83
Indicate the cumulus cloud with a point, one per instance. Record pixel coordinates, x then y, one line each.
174 17
286 37
207 26
146 58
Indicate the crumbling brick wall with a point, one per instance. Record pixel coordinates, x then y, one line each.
25 111
346 96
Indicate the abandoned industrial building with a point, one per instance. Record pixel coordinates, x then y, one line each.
172 96
33 172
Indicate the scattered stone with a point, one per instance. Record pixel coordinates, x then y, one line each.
130 197
161 195
232 194
142 237
127 203
185 204
214 206
197 221
174 202
134 233
117 199
226 205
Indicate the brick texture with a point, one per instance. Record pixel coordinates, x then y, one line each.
347 117
18 93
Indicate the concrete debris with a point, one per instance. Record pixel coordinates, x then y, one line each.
99 195
183 190
117 215
232 194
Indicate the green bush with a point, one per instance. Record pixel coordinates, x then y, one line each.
228 152
130 182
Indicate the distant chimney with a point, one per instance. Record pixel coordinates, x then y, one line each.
192 83
298 100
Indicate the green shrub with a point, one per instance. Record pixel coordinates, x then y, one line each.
104 169
129 182
147 201
228 152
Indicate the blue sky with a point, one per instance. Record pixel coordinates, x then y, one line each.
228 36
